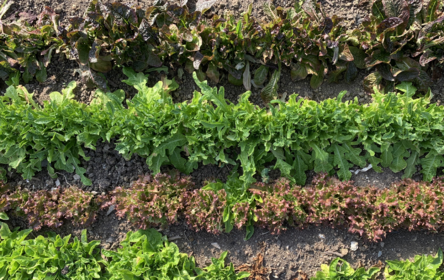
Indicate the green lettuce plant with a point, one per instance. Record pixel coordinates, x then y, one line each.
423 267
142 254
340 269
146 254
394 131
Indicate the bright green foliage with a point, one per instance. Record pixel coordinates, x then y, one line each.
422 268
144 254
339 269
31 134
48 258
394 131
148 255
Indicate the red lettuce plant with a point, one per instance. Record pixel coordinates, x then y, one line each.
152 202
275 208
50 208
204 209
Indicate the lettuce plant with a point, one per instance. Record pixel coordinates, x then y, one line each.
26 48
423 267
395 131
340 269
152 201
48 258
402 39
146 254
51 208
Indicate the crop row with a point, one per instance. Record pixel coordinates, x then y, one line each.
147 254
144 254
394 131
218 207
402 40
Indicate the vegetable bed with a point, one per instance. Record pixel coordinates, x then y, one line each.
258 177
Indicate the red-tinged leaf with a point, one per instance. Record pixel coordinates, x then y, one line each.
123 12
378 10
426 58
423 81
389 23
101 66
351 72
377 57
204 5
407 75
234 81
317 79
345 54
430 12
309 7
327 25
154 60
335 74
385 70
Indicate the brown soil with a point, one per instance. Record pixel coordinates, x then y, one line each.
293 251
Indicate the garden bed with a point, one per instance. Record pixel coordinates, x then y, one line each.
288 255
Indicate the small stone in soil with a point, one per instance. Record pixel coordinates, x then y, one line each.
379 254
354 246
57 182
110 210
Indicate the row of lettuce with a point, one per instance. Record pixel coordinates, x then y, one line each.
147 254
402 40
144 254
394 131
165 200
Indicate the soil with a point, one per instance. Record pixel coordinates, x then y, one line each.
286 254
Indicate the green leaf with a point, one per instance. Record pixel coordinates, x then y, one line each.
412 161
212 94
3 216
138 80
270 10
260 75
341 162
358 57
430 164
298 71
213 72
269 92
235 81
247 77
431 10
